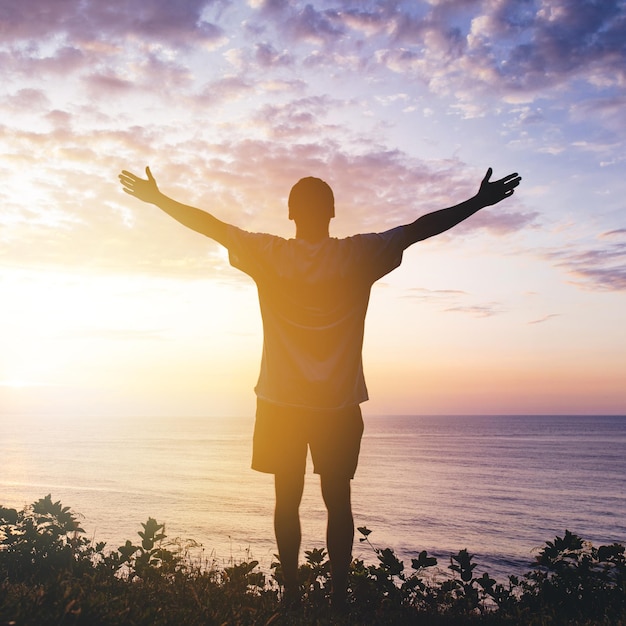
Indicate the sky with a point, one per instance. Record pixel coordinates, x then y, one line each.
109 307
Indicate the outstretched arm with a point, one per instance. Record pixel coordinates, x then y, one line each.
439 221
148 191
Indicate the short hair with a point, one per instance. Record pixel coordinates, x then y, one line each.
311 194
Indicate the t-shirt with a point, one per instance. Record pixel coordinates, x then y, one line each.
313 299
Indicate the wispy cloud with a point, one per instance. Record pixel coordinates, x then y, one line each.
487 309
618 232
600 268
422 293
454 301
501 221
545 318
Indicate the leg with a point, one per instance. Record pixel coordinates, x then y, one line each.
289 487
340 532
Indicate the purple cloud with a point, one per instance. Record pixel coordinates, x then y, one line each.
452 301
600 278
619 232
267 56
567 39
516 47
244 181
32 63
302 21
312 25
468 47
296 119
597 269
179 23
500 221
109 84
545 318
31 99
224 90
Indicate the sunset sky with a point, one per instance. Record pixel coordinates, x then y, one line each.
109 307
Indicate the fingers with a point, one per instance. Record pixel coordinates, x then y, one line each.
128 184
137 186
131 182
128 178
511 183
487 175
133 177
510 177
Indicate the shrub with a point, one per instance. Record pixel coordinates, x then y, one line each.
51 574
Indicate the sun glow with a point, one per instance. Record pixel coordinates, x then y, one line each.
67 335
18 383
107 305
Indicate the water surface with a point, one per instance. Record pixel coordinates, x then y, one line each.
499 486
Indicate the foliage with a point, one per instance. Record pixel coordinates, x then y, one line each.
577 581
51 574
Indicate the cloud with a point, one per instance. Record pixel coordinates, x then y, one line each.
108 84
452 301
233 130
599 278
178 23
314 26
545 318
369 23
71 212
618 232
518 48
301 22
422 293
267 56
500 221
27 98
225 89
32 63
473 50
597 268
550 43
296 119
488 309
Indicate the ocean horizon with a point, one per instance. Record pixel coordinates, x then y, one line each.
499 486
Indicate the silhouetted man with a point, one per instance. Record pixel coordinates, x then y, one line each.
313 293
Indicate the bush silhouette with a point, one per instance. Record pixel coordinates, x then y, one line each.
51 574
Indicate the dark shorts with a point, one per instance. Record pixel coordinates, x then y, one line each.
282 434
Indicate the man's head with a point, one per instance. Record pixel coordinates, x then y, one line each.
311 200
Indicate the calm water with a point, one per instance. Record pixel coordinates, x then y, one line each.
498 486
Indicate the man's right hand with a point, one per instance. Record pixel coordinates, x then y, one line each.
141 188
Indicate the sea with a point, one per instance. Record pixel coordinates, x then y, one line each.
498 486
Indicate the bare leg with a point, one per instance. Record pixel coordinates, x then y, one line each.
339 534
287 526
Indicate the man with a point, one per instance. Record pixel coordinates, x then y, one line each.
313 294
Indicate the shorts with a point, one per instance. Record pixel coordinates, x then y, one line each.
283 433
